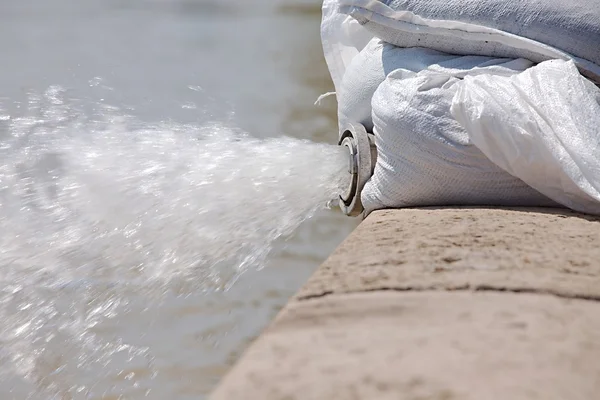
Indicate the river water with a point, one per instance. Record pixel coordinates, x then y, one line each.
159 161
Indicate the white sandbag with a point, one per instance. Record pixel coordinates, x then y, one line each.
369 68
425 157
342 38
538 30
377 59
542 125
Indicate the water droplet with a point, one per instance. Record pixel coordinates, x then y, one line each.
189 106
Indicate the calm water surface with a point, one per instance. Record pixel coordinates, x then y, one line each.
253 65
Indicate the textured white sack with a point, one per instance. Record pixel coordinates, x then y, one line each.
377 59
342 38
420 162
425 157
538 30
369 68
542 125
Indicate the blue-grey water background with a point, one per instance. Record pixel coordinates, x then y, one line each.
251 65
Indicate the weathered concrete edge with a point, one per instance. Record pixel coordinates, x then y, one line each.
405 263
466 248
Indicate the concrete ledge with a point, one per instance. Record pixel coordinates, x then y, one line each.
530 250
457 303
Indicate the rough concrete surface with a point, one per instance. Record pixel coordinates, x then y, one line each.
457 303
532 250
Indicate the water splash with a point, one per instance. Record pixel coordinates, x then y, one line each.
95 204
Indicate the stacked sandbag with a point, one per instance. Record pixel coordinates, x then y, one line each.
442 136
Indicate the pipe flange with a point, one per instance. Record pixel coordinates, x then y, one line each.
362 155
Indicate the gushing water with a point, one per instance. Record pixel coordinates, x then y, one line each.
95 204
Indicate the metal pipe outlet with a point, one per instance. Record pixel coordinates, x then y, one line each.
362 155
